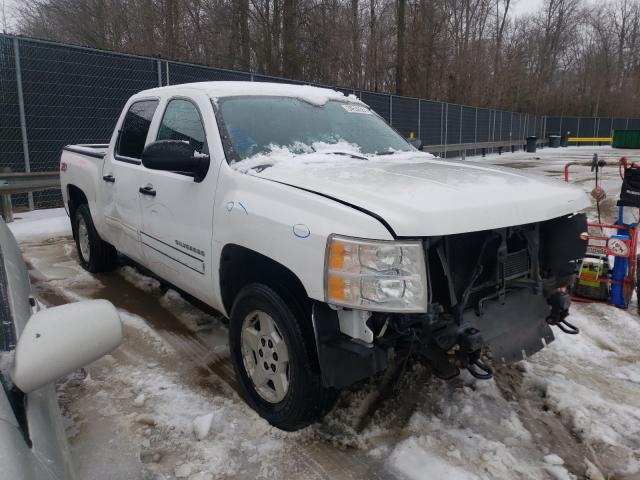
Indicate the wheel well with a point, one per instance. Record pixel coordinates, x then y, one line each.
240 266
76 198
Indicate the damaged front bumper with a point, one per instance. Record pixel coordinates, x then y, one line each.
505 333
515 289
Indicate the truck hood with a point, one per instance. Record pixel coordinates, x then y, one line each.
420 195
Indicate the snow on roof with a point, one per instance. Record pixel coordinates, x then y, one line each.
315 95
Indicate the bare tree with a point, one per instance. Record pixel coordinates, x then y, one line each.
3 16
570 56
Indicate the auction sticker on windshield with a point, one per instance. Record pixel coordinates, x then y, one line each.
356 109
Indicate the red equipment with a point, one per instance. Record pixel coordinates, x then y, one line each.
602 245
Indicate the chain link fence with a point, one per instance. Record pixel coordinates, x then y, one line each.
52 95
589 127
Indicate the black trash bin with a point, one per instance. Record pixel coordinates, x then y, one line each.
531 144
554 141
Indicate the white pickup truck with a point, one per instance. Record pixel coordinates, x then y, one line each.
329 242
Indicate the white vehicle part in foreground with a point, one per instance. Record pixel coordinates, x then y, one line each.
59 340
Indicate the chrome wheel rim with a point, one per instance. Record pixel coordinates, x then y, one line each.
83 239
265 356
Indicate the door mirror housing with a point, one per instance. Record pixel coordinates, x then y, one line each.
59 340
176 156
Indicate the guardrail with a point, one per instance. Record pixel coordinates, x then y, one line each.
483 146
23 182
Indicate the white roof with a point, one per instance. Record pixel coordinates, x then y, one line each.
315 95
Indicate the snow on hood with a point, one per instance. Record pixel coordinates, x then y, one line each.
418 194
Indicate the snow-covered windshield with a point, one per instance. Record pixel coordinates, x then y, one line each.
259 125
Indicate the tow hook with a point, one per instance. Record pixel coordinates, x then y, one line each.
560 301
451 350
480 370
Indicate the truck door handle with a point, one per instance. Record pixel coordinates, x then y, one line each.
148 190
109 178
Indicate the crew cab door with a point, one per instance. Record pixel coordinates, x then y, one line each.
177 212
121 179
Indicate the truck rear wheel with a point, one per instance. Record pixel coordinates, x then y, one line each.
95 254
274 367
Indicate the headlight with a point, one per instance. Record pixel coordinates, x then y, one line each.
376 275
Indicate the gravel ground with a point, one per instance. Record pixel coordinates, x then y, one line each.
165 404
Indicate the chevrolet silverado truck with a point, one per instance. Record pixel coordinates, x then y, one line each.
330 243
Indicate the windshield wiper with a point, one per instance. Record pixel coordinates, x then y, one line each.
385 153
261 167
346 154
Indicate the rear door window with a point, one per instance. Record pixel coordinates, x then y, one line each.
135 127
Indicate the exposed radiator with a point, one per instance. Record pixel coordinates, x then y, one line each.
516 264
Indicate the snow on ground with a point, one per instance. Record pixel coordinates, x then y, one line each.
165 404
41 225
551 162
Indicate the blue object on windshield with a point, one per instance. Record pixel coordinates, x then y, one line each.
243 143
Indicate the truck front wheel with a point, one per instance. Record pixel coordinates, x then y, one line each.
95 254
275 369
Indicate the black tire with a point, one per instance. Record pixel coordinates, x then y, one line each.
101 255
306 400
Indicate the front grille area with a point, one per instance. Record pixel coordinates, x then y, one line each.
478 265
516 264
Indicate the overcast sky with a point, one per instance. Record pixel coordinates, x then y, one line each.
8 5
525 6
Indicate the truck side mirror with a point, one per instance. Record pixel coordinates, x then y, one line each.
176 156
58 340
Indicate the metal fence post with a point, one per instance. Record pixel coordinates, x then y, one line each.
441 123
513 147
419 125
158 64
391 110
493 137
446 127
475 133
167 67
519 134
460 133
511 129
23 117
